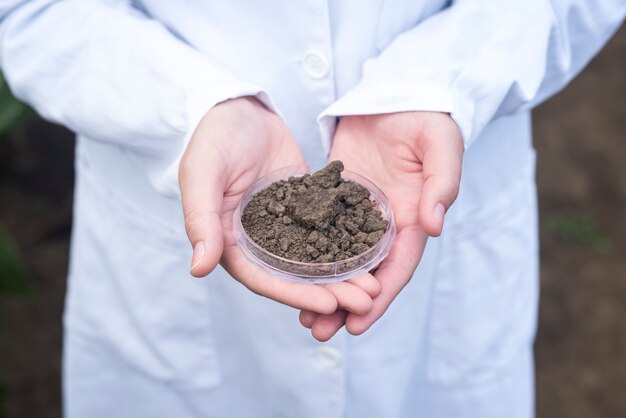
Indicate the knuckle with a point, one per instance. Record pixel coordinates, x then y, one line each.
193 221
450 187
454 188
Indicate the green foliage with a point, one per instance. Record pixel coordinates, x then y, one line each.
12 277
580 229
13 280
12 111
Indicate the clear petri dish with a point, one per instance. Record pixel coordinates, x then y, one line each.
315 272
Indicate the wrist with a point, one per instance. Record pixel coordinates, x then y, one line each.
237 113
413 130
397 124
239 106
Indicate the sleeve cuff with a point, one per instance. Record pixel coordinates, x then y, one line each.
397 97
198 103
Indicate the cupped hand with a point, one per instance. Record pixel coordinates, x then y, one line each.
237 142
415 159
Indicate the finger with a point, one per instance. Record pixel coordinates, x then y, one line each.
350 297
326 326
202 184
302 296
368 283
393 274
442 160
307 318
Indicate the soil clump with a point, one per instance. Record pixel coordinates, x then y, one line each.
317 218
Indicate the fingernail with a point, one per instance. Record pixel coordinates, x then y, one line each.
440 213
198 253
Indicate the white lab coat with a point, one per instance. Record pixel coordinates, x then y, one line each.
144 339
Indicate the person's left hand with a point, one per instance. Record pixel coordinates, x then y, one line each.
415 159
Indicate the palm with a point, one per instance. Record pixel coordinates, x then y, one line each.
271 151
400 177
403 154
396 169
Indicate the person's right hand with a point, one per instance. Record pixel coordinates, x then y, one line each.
237 142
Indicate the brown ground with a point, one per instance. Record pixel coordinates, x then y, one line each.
581 141
581 346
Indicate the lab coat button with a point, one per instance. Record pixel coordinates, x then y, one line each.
315 64
329 355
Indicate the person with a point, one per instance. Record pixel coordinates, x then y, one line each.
193 101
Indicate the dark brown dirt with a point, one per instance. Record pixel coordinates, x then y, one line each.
318 218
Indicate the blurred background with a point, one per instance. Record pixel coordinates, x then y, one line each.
581 345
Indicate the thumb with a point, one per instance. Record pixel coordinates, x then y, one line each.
442 176
202 189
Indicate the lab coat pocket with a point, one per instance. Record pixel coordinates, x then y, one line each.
172 310
177 322
485 291
131 289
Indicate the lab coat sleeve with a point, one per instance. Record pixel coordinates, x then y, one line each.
481 59
108 72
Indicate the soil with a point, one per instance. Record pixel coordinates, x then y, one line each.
318 218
